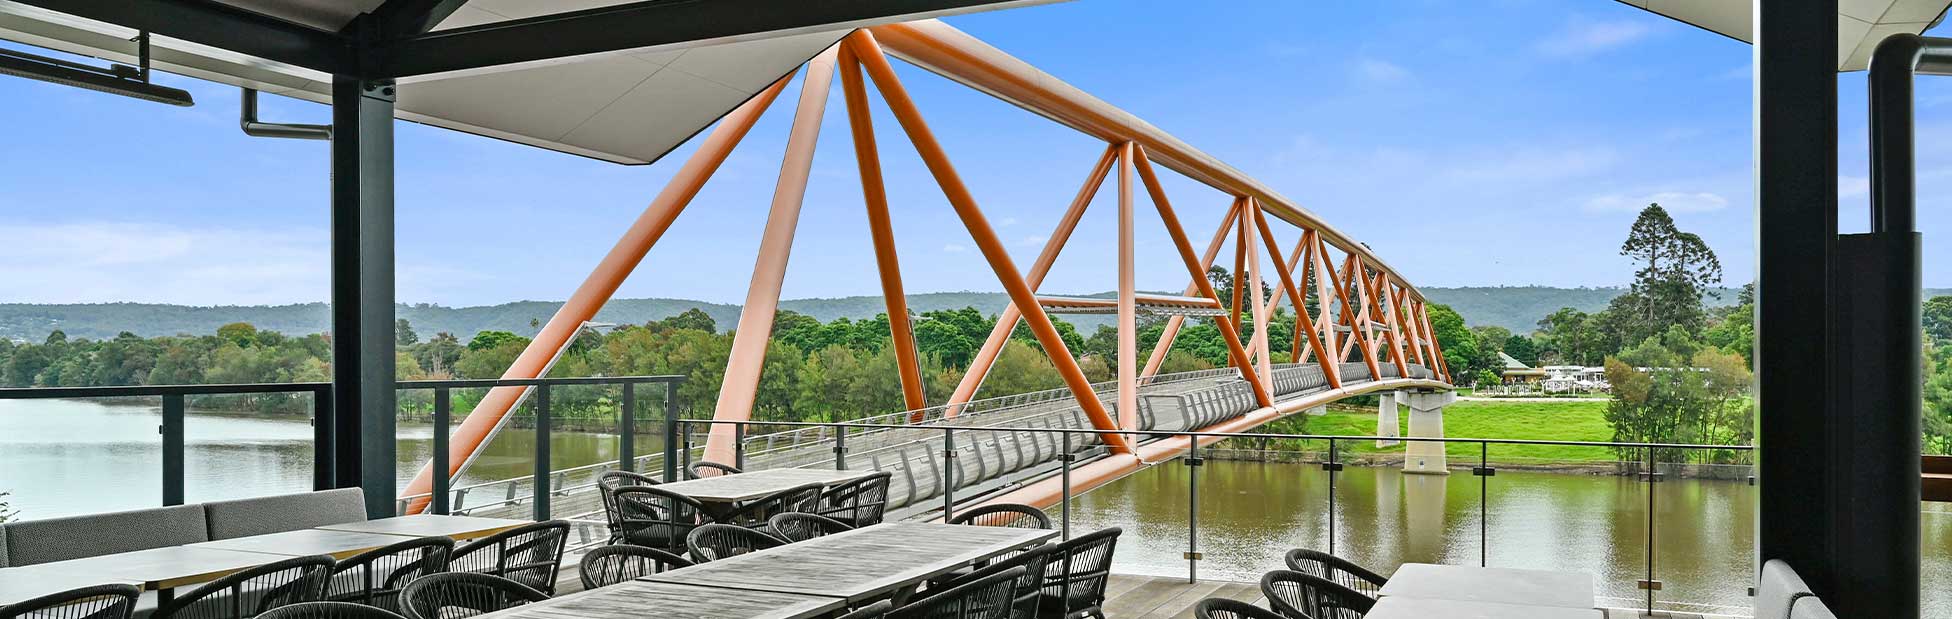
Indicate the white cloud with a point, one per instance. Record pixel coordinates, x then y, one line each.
954 248
1852 186
1035 239
1006 222
1587 37
88 262
1673 201
1375 70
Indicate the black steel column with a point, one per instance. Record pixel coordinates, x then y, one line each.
362 289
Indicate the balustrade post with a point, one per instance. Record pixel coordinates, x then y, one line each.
739 445
1331 466
172 431
443 482
541 500
1193 463
627 430
670 432
840 448
949 471
1064 458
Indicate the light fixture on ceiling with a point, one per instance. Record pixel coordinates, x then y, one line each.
116 79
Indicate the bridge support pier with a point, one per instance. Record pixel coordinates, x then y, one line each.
1387 423
1426 419
1317 411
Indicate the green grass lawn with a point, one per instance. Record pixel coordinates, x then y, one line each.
1570 420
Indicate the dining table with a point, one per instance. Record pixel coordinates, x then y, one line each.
1498 585
638 599
721 494
862 564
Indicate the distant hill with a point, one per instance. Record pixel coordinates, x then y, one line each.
1518 308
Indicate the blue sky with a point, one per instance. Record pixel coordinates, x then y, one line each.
1510 143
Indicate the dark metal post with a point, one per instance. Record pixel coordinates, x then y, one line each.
840 448
1653 477
948 474
1484 473
1064 457
172 431
1331 466
627 430
1193 463
739 445
670 432
443 481
322 451
362 289
542 452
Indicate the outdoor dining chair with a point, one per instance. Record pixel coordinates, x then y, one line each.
1010 515
1223 608
657 518
706 468
800 527
96 602
857 503
758 513
531 554
375 577
1300 595
1337 569
871 611
329 610
712 542
251 592
1028 588
610 565
1076 575
608 483
456 595
989 597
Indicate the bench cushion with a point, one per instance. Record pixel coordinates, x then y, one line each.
1777 590
3 546
288 512
58 539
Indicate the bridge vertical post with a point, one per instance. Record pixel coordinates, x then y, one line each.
1128 313
1426 420
881 229
1304 326
1258 303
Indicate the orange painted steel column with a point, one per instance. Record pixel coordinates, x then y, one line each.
979 230
1301 309
1259 304
886 261
1128 308
1280 292
748 356
1360 338
1240 264
1324 300
480 424
1390 328
1173 324
1401 314
979 366
1227 329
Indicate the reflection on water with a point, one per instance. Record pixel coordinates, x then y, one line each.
1251 512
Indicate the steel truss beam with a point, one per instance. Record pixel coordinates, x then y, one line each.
221 26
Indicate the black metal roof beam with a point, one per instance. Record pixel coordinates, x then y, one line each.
221 26
399 19
631 26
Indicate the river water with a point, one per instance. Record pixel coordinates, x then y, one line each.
70 457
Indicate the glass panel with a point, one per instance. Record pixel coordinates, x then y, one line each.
70 457
1704 533
245 445
1387 516
1571 508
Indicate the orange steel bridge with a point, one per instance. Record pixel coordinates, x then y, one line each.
1371 332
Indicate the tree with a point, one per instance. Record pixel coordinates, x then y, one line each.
1522 349
403 335
489 340
1938 318
1676 268
697 319
1569 336
1938 396
239 333
1459 345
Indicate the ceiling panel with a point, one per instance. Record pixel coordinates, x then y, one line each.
1861 24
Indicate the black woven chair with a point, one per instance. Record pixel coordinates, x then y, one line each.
251 592
96 602
455 595
610 565
1004 515
1336 569
800 527
1223 608
656 518
531 554
712 542
329 610
1300 595
1076 575
758 513
1029 592
989 597
871 611
857 503
375 577
609 482
706 468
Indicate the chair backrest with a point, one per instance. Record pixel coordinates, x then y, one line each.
1337 569
756 512
712 542
610 481
59 539
251 592
610 565
285 512
1029 584
1223 608
531 554
871 611
329 610
654 517
454 595
96 602
989 597
1009 515
706 468
375 577
1300 595
1777 589
800 527
858 503
1078 570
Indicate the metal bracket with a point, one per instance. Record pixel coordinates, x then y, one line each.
1195 461
1331 466
1648 585
1484 471
1653 477
1192 556
1067 457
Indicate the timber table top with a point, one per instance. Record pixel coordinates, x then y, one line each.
28 582
307 542
460 528
862 563
756 484
1491 584
160 568
638 599
1424 608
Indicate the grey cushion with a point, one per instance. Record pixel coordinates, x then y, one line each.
288 512
1777 590
59 539
3 545
1810 607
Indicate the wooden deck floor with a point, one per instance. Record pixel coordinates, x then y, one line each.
1157 597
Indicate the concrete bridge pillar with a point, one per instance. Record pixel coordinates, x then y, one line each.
1426 419
1387 424
1317 411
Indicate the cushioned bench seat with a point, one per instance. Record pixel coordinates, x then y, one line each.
285 512
59 539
